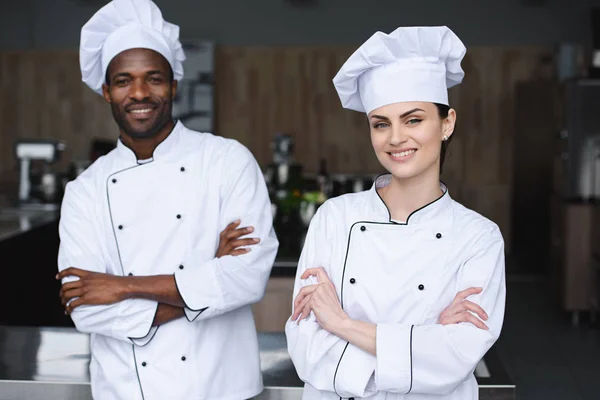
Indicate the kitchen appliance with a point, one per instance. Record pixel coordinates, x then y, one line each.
577 163
43 185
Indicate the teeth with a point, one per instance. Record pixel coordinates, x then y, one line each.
147 110
403 154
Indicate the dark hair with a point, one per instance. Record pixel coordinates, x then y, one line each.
443 111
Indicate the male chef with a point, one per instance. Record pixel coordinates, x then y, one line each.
169 317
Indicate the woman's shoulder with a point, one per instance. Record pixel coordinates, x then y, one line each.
474 225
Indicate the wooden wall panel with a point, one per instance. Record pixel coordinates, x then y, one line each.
261 91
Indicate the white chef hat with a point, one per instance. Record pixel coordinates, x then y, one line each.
122 25
409 64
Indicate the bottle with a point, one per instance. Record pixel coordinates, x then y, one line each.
323 178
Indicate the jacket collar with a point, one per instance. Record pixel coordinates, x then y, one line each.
164 149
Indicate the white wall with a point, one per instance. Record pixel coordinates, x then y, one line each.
52 24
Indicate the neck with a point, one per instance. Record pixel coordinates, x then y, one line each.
403 196
144 147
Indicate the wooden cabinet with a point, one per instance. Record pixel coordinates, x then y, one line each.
272 312
571 255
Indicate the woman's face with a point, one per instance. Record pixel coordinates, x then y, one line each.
407 137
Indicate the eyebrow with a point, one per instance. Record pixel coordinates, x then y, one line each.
402 116
128 75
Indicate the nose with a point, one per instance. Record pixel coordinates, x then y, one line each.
139 90
397 135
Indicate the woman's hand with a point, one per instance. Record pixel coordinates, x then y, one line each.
321 299
458 311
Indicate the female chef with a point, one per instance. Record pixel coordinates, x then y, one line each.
380 300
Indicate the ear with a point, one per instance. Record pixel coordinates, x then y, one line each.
174 89
448 123
106 93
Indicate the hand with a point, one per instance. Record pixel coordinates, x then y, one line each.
230 242
321 299
92 288
458 311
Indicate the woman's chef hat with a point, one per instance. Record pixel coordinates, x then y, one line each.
409 64
122 25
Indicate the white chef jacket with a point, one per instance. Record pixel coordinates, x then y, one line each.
399 276
164 216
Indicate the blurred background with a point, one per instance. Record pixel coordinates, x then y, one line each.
526 152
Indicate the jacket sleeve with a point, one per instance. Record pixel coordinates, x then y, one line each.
435 359
317 354
223 284
129 320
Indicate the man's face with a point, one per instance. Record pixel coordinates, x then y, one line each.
140 91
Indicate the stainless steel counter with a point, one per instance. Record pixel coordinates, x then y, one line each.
52 364
17 221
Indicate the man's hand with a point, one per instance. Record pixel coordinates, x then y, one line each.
230 242
458 310
92 288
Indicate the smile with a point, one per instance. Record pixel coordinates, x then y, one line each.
144 111
402 155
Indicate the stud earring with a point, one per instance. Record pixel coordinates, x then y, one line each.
445 138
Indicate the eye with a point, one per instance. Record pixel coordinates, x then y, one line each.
155 79
121 82
381 125
413 121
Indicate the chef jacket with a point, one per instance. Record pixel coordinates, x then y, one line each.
164 216
401 277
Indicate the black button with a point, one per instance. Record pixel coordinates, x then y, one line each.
182 169
120 226
181 267
183 358
114 181
130 274
421 287
363 228
352 281
438 235
144 364
178 216
351 398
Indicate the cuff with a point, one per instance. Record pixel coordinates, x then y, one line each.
394 358
199 288
191 315
354 372
135 320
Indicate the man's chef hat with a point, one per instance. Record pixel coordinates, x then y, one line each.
122 25
409 64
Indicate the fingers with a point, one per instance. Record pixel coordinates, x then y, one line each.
71 271
238 252
302 311
239 233
302 294
460 296
74 304
319 272
71 294
469 305
464 316
243 242
230 227
70 286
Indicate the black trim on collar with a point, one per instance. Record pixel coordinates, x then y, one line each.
412 213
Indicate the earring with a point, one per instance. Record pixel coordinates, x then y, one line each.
445 138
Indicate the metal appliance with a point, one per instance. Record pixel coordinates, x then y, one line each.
46 184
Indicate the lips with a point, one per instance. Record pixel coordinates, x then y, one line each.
402 155
140 111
